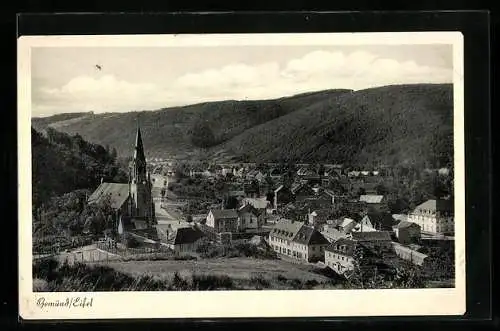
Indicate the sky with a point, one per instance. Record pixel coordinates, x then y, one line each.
65 79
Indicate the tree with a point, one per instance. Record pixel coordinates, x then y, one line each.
408 276
202 135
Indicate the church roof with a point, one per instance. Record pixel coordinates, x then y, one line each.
117 192
139 148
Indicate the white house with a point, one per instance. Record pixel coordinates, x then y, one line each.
298 241
339 255
250 218
434 216
223 220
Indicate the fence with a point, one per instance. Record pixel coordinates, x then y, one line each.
408 254
129 252
88 256
54 245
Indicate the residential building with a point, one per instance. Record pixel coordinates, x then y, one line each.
184 240
302 192
374 202
373 239
309 244
282 195
332 234
261 204
298 241
339 255
250 218
434 217
281 238
223 220
407 232
380 221
348 223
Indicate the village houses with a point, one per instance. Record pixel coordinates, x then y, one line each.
434 217
223 220
339 255
407 232
298 241
250 218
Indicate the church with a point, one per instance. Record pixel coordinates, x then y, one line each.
132 202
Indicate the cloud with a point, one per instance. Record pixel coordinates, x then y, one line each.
317 70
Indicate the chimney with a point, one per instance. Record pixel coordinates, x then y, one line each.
102 180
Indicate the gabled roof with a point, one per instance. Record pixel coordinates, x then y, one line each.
297 188
117 192
405 224
399 217
279 188
371 198
342 246
329 193
286 229
371 236
332 234
236 193
186 235
259 203
381 220
224 213
309 236
435 205
248 208
346 221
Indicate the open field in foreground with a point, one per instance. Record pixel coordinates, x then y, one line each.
239 268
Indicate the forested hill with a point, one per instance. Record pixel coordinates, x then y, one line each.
390 125
62 163
387 125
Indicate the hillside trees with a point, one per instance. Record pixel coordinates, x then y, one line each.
62 163
202 135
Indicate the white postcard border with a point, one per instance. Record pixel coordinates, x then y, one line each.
213 304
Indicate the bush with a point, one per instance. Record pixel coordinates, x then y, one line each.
311 283
179 283
281 279
296 284
260 282
46 269
184 257
211 282
40 285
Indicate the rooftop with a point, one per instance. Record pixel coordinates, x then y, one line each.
435 205
286 229
406 224
186 235
342 246
371 198
309 236
371 236
224 213
117 192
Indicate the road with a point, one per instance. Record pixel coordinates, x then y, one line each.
164 217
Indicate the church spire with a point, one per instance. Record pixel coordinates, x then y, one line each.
139 148
139 158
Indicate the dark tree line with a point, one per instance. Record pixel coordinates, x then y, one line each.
62 163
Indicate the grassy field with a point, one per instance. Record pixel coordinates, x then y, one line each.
215 274
238 268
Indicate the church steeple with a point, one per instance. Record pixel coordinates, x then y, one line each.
139 162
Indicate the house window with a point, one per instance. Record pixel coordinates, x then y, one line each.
314 248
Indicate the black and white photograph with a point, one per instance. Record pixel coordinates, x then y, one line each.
317 165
